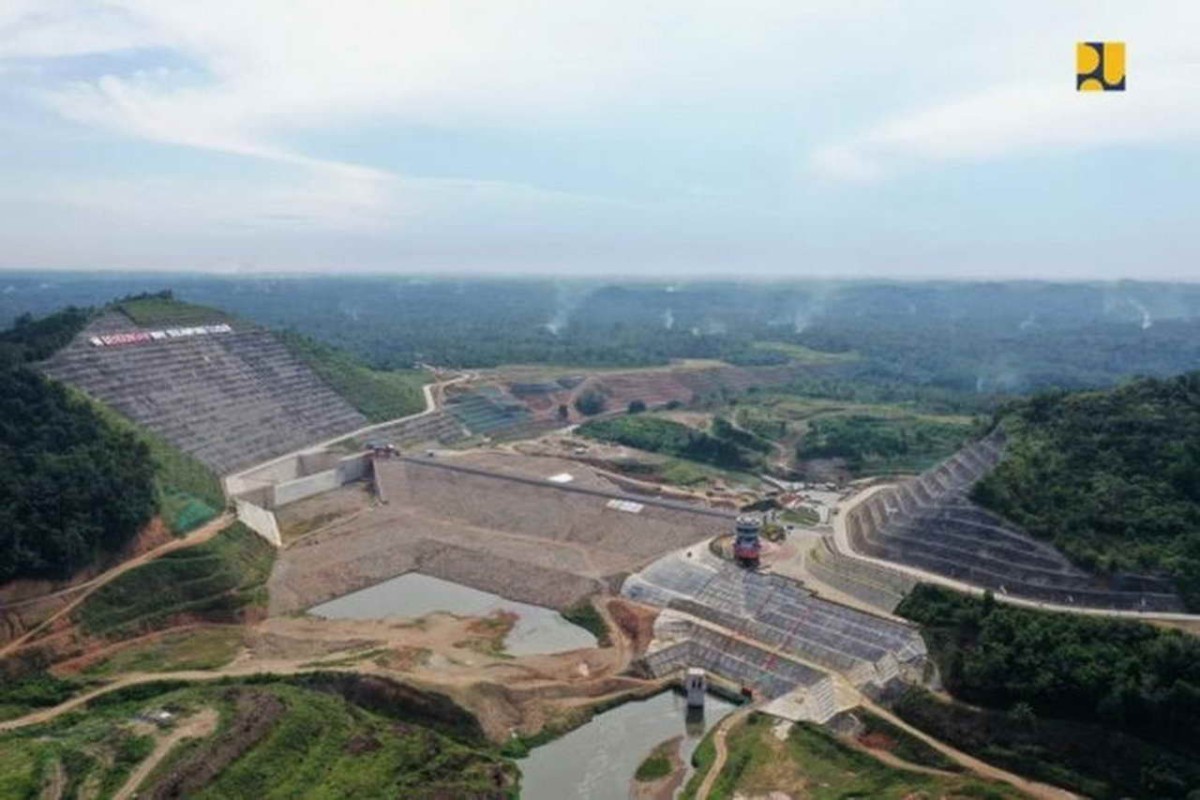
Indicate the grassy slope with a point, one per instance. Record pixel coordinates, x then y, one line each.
192 648
216 580
19 696
813 764
379 395
904 745
321 746
163 311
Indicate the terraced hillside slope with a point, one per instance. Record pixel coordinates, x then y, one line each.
704 592
931 523
231 396
1111 478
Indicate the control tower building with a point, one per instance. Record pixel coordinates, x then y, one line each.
747 542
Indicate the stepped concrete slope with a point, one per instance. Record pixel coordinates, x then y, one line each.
931 524
231 398
778 612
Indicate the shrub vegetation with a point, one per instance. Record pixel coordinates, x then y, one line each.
665 436
216 580
883 443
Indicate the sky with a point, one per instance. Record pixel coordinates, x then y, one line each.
798 138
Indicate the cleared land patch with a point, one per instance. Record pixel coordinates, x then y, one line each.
188 649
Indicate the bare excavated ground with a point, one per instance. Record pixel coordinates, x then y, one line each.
305 516
513 533
26 603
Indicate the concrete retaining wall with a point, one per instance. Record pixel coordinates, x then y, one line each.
259 520
346 470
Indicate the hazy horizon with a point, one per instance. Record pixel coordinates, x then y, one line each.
681 279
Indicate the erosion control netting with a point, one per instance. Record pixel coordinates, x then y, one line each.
930 523
487 411
230 399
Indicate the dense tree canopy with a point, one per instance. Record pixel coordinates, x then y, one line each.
34 340
1126 674
665 436
952 340
71 486
1111 477
1126 677
882 442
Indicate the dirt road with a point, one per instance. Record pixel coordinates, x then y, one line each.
722 751
450 660
196 726
1041 791
198 536
433 393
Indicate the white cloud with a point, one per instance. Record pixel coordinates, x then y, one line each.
1021 119
1024 101
271 68
56 28
709 109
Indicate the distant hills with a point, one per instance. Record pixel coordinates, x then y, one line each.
973 339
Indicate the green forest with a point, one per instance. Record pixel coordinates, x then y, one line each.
1112 478
72 486
883 443
77 480
945 342
1053 680
658 435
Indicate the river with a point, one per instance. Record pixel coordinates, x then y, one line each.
596 761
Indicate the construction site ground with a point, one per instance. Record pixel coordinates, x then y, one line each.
450 654
504 527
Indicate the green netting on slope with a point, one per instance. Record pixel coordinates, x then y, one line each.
183 512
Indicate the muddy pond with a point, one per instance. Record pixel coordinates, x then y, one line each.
537 630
